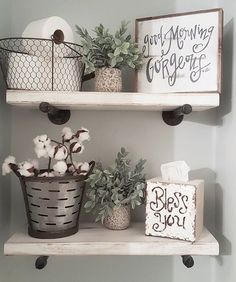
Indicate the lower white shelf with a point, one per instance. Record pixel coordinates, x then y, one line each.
94 239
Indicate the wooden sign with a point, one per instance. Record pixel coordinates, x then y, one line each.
182 52
174 210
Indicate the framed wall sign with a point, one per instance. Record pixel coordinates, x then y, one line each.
182 52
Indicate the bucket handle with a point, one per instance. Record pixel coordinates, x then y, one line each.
14 169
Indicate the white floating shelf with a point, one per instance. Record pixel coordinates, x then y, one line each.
112 101
93 239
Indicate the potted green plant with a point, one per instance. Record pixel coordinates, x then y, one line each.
107 54
53 196
112 192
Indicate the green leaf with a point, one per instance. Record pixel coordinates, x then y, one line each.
88 204
117 41
119 59
125 45
117 51
110 55
131 64
113 62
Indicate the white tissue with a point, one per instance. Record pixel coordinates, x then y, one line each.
44 29
175 171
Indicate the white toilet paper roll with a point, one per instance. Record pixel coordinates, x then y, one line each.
35 73
44 29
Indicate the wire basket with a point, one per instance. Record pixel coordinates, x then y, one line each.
41 64
53 204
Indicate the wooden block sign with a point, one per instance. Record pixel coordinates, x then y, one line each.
174 210
182 52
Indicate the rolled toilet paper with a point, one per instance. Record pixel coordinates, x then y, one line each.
44 29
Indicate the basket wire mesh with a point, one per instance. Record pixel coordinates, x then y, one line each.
41 64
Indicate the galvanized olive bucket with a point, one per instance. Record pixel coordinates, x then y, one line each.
53 204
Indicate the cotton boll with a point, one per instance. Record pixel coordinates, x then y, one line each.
42 145
60 168
74 140
81 168
42 141
37 143
5 169
41 152
67 133
85 167
25 173
35 163
58 152
25 165
46 174
26 169
5 166
61 154
10 160
82 135
76 147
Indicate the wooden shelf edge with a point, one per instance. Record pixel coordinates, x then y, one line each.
112 101
96 240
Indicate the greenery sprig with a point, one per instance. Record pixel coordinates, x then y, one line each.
107 50
115 186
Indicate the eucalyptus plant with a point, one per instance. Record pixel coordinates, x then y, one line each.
108 50
118 185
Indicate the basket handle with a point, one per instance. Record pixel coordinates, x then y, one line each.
91 165
58 38
88 76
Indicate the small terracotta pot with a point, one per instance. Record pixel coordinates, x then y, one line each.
120 218
108 80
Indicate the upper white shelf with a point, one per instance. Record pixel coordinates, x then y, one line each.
93 239
113 101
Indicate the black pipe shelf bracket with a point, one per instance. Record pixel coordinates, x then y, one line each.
41 262
188 261
58 116
55 115
176 116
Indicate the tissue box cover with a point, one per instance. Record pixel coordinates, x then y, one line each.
174 210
